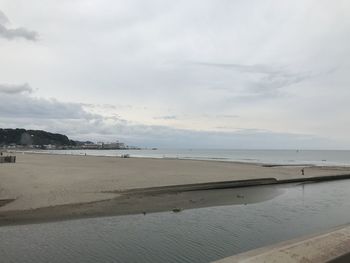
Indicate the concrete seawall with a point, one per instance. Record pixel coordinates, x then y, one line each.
332 246
203 186
231 184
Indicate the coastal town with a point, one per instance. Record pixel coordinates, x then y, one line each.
22 139
81 146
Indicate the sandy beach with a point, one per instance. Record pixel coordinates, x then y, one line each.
55 187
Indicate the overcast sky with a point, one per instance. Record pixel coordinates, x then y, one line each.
194 73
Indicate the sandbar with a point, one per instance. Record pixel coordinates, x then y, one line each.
57 187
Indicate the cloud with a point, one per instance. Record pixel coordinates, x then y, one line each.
18 104
13 33
168 137
3 19
263 62
262 80
15 89
257 68
23 110
227 116
20 32
166 117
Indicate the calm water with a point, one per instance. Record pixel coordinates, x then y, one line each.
316 157
198 235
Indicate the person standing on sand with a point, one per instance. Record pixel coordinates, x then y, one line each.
302 171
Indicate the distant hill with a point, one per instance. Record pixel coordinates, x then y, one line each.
33 137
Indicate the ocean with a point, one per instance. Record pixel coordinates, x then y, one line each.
284 157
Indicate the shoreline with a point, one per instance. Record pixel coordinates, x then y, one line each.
142 203
209 159
170 199
46 187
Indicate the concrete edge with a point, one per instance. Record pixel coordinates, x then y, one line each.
228 184
327 246
202 186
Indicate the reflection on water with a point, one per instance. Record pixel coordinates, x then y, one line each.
198 235
151 202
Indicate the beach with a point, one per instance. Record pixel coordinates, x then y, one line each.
41 187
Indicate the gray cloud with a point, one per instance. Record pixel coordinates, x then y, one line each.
15 89
257 68
3 18
23 110
22 106
13 33
267 81
165 137
138 56
20 32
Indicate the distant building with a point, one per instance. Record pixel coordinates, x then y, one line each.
92 146
50 147
114 145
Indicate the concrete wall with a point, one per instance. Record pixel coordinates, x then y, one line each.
332 246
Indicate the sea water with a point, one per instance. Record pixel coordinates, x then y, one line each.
197 235
290 157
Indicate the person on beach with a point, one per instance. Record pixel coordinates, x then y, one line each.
302 172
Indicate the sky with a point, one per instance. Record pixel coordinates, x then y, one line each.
257 74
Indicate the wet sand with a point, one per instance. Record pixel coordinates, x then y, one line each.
43 187
143 203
